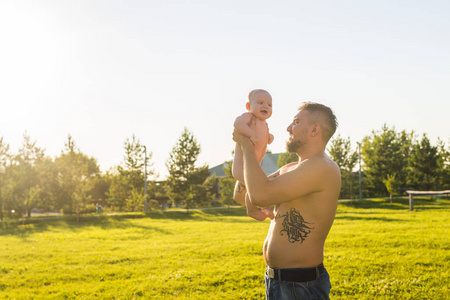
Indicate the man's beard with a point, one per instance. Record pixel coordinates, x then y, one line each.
293 146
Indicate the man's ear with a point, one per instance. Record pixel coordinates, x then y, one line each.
315 130
247 106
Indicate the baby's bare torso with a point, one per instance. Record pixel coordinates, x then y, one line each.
262 130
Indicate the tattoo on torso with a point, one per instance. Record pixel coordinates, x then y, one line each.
295 226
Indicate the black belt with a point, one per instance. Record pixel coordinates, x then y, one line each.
296 274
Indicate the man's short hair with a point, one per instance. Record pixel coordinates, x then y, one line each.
322 115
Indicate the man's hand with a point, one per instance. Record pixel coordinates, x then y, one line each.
254 138
242 140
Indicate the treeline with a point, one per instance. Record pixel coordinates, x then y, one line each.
392 162
72 183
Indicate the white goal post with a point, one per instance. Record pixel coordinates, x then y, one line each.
424 193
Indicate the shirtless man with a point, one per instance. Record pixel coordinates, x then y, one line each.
305 198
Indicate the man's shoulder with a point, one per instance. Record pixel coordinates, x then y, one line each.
319 160
288 167
320 164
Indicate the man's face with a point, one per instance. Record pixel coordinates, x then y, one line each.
298 132
261 105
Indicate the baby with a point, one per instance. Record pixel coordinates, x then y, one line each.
253 125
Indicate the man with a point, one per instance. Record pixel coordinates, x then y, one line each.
304 195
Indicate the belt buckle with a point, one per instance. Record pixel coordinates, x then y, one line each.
271 273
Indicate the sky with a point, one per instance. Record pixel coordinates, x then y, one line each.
103 71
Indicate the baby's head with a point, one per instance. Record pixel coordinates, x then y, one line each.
260 104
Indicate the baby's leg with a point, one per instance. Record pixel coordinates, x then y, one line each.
268 212
238 164
254 212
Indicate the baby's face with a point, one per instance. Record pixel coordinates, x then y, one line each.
261 105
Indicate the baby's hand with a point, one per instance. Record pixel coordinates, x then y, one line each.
254 138
260 215
267 211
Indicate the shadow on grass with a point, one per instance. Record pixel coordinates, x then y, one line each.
363 217
28 226
199 214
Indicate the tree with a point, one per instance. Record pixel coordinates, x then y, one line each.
340 151
390 184
76 172
23 179
153 205
30 179
4 155
184 176
286 158
81 199
50 189
385 152
134 161
4 158
199 194
135 201
100 184
443 165
423 165
118 192
227 184
131 173
159 194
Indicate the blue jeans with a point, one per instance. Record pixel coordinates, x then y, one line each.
285 290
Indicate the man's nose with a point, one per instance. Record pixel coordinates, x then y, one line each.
289 128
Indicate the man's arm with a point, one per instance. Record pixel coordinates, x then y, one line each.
239 193
304 179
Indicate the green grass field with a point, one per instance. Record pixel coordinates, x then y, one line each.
375 250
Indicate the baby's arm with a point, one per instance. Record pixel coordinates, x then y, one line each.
271 137
241 126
